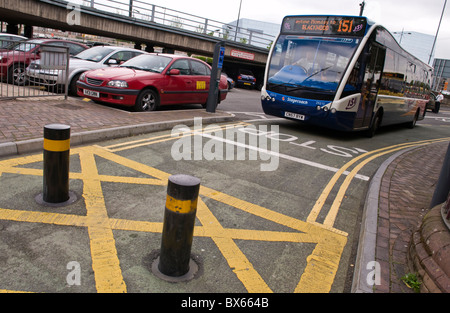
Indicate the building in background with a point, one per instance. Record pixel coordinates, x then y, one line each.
418 44
441 75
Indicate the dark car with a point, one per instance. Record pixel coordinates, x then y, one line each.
14 62
431 104
245 78
229 80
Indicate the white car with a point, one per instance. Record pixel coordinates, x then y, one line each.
89 59
8 39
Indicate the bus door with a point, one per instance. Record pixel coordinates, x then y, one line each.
371 83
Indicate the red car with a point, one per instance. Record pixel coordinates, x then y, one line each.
148 81
14 62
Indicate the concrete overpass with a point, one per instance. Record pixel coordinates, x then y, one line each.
53 14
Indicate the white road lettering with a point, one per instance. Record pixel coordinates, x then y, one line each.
281 155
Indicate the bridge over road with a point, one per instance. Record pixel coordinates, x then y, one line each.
139 25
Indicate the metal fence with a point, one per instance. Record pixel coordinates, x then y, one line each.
29 69
146 12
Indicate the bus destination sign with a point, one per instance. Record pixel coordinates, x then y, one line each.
325 25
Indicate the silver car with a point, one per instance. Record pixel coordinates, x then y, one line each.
89 59
7 40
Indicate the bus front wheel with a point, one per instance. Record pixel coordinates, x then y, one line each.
375 125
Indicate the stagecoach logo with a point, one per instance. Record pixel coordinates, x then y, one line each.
358 28
295 101
351 103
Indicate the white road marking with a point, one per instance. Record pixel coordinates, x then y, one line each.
281 155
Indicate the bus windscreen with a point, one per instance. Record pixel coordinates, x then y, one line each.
309 66
325 25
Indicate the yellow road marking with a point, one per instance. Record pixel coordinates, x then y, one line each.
13 291
338 200
237 261
162 138
43 217
322 264
105 263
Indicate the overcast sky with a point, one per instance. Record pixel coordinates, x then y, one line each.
408 15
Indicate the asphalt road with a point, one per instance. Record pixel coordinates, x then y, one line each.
279 210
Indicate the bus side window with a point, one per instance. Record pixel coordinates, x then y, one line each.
354 82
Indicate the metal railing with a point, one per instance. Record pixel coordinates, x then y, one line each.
18 61
151 13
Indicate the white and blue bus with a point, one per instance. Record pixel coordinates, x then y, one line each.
345 73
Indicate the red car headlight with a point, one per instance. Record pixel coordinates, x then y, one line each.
117 84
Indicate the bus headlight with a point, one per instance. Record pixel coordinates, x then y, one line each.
333 110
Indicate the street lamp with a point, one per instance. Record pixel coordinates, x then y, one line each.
401 35
237 23
362 5
437 32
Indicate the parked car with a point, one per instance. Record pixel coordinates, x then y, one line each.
148 81
14 62
8 40
431 104
229 80
245 78
93 58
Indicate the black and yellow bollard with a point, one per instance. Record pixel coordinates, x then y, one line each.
56 165
178 227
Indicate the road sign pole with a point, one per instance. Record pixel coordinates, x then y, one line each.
216 71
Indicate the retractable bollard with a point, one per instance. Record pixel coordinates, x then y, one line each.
56 163
178 228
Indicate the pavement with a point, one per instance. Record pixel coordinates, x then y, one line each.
393 232
22 121
397 201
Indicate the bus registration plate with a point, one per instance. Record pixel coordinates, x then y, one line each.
300 117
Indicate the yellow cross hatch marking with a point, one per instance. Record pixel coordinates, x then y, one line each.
322 264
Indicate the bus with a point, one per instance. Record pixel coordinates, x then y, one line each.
345 73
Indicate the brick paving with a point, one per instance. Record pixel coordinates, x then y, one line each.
405 195
24 119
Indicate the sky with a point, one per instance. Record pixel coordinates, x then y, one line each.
408 15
